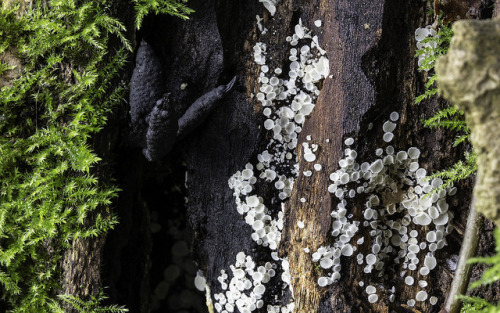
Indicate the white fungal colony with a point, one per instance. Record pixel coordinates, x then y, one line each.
399 207
246 288
420 35
287 101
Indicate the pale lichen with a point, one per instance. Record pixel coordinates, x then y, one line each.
469 77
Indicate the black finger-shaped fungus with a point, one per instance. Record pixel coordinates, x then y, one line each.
199 110
146 84
154 124
162 130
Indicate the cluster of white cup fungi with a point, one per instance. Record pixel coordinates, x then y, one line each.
428 45
247 278
402 222
308 66
286 102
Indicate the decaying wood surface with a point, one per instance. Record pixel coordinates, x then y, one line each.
371 47
374 74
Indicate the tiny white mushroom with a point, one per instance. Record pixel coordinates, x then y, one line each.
409 280
430 261
326 263
372 298
332 188
200 282
401 156
347 250
309 157
420 173
259 289
387 137
424 271
433 300
322 281
389 127
421 33
421 295
413 153
258 225
376 166
344 179
442 219
371 259
389 150
370 289
349 141
422 219
252 201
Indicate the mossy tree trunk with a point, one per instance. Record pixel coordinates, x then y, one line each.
371 47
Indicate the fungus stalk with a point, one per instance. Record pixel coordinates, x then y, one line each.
464 270
469 77
209 303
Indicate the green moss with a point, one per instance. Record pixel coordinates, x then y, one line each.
491 275
440 44
48 190
50 194
172 7
449 118
472 305
94 305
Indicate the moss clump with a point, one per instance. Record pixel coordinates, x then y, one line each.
61 97
58 79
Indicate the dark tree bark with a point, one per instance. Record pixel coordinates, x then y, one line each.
371 47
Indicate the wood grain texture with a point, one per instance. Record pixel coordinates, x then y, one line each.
371 46
339 108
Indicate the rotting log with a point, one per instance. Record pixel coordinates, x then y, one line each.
389 67
371 48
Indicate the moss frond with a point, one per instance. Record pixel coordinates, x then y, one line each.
176 8
458 171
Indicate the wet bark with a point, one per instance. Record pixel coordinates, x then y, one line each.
371 47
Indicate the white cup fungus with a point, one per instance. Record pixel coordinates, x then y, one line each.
322 281
349 141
